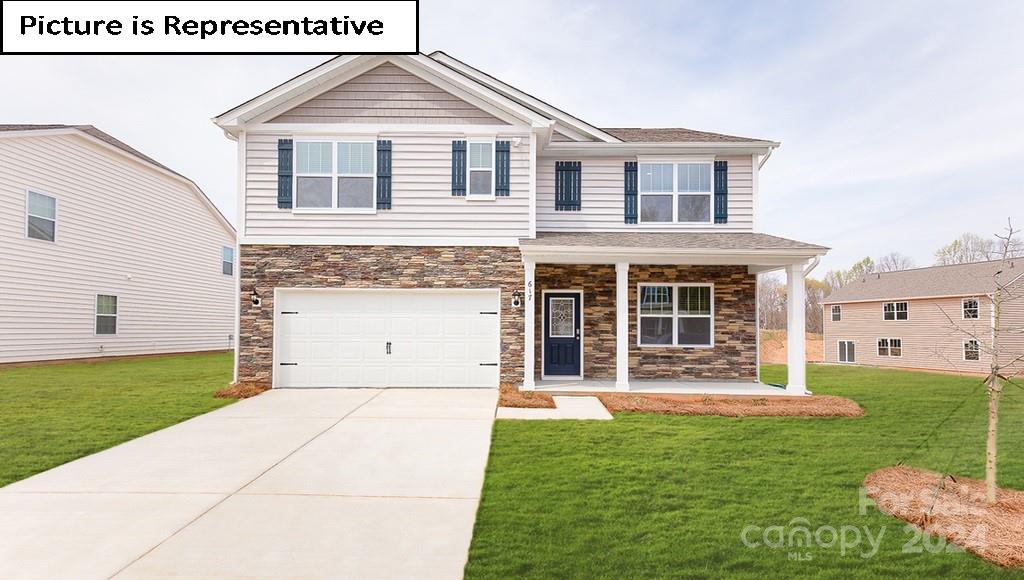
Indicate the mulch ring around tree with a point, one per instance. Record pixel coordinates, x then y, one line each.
732 405
241 390
954 509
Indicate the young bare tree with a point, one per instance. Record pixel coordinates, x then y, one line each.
1007 288
893 262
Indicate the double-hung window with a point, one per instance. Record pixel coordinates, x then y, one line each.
41 217
335 175
892 347
106 314
894 310
970 309
676 315
837 312
227 260
972 350
675 192
481 170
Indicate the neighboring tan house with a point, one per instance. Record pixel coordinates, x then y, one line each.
410 221
104 251
938 318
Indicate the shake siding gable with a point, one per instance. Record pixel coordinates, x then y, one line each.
603 209
123 230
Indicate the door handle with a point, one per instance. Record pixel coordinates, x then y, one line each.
388 347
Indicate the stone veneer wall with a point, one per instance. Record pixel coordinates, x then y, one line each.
734 356
265 267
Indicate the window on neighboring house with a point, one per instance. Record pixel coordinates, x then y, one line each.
675 192
481 169
227 260
972 350
970 309
676 315
41 217
847 352
837 313
106 314
335 175
890 347
894 310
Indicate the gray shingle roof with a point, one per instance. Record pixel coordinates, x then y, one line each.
674 240
954 280
672 135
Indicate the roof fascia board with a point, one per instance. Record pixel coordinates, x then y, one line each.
634 149
385 129
902 298
572 124
705 256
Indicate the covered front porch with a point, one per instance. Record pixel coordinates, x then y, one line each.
656 312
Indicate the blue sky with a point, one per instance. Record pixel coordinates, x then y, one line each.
902 124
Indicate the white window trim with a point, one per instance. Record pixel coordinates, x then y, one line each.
675 314
494 173
888 346
56 214
963 308
837 309
894 303
963 350
675 161
333 175
96 314
839 351
223 261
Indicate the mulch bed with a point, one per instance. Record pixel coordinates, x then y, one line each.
732 406
241 390
511 396
954 509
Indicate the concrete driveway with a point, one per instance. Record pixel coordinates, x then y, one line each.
323 483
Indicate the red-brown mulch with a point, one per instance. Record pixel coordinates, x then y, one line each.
511 396
732 406
241 390
954 509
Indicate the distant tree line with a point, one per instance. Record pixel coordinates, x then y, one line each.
965 249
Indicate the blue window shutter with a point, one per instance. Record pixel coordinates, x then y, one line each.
284 173
384 174
631 192
502 163
721 192
459 168
568 186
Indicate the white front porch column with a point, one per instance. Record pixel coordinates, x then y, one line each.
622 326
528 328
796 357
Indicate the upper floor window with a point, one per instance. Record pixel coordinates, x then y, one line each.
106 314
675 192
481 169
970 309
894 310
335 175
41 217
227 257
837 312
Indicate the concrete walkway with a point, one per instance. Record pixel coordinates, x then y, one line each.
575 407
290 484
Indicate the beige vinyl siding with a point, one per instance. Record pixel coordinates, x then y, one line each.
122 229
387 94
603 184
422 203
929 340
1012 321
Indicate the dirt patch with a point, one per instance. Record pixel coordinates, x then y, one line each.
241 391
773 347
954 509
732 406
511 396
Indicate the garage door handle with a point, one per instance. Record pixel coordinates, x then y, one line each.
488 364
289 364
388 347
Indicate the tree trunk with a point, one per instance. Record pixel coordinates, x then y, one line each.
990 451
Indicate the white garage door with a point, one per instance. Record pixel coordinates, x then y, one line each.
386 338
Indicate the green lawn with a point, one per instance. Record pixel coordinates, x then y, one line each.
648 496
51 414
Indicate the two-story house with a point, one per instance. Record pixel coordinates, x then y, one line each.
410 221
106 252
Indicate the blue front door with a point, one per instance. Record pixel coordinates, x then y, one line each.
562 345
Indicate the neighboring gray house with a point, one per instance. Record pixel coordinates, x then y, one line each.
410 221
104 251
938 318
